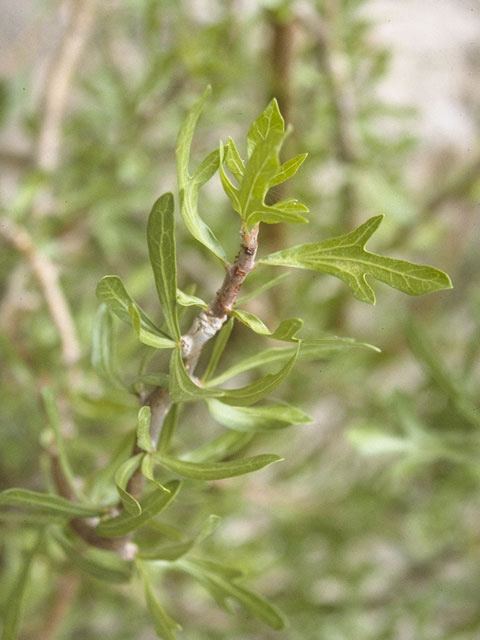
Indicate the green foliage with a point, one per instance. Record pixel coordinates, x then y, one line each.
133 516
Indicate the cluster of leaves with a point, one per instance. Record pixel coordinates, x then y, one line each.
236 408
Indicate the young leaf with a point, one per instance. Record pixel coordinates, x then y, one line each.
155 379
218 348
98 563
147 472
288 169
14 604
233 161
187 300
112 292
189 186
223 585
309 350
182 387
168 428
223 446
143 429
122 476
215 470
271 120
146 336
346 258
285 331
165 626
172 552
161 248
266 418
54 420
151 506
102 347
254 392
48 503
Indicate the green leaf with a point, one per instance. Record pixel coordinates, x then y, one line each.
143 429
309 350
112 292
182 387
223 446
266 418
48 503
223 586
98 563
168 428
233 161
215 470
254 392
165 626
122 476
271 120
285 331
371 441
151 506
218 348
14 604
154 379
161 248
51 409
262 288
146 336
172 552
189 186
187 300
102 347
288 169
147 472
346 258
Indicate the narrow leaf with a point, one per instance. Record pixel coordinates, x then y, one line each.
215 470
266 418
122 476
288 169
146 336
151 506
233 160
187 300
165 626
219 345
161 248
285 331
223 446
168 428
309 350
262 288
48 503
346 258
102 347
256 391
143 429
14 603
189 186
51 409
182 387
113 293
98 563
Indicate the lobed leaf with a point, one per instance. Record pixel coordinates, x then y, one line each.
161 248
151 506
215 470
346 258
48 503
265 418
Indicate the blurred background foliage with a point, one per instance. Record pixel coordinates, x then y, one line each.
370 527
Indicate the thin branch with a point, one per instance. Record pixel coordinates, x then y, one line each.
46 272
